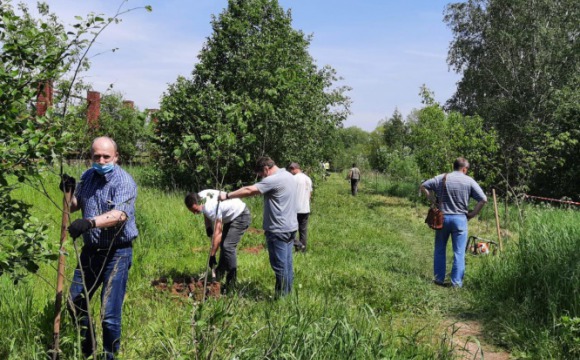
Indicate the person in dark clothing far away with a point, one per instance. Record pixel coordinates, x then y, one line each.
354 177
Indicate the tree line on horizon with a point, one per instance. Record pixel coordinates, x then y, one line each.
515 113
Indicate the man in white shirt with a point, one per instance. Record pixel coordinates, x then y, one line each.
230 219
303 194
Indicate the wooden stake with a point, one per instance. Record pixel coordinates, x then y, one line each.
60 276
497 220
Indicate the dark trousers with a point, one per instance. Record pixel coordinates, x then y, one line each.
354 186
231 235
109 268
302 231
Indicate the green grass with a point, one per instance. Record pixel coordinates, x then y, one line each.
528 293
362 291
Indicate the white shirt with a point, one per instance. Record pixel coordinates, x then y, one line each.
227 211
303 193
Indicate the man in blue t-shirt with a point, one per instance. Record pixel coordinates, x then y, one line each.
453 191
280 221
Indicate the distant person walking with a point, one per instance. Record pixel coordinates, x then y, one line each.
230 219
303 195
453 190
280 223
354 177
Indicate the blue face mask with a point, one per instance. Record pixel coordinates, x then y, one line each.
103 169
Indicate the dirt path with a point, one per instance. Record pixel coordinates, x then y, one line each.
467 335
469 341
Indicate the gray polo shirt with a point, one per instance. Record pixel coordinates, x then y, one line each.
459 188
279 190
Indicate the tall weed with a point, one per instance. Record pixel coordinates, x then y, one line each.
534 283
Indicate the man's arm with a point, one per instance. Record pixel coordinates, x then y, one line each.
110 218
430 195
243 192
74 205
216 237
473 213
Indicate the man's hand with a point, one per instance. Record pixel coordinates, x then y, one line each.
79 226
223 196
67 184
212 261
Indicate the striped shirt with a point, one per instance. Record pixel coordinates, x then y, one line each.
459 188
97 194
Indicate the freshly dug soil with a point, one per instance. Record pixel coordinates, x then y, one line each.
253 250
255 231
188 287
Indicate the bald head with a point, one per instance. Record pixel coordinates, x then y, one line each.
104 150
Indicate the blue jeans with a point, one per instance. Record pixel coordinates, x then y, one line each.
110 269
456 226
280 252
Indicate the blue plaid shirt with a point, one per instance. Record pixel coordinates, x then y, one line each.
97 194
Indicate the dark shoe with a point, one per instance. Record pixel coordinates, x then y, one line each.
442 284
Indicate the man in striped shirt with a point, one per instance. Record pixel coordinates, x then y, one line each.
106 196
454 192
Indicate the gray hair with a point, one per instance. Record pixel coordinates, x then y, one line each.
460 163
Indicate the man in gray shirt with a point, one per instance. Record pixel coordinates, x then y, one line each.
280 221
453 191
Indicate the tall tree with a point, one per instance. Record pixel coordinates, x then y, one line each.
256 90
514 56
395 131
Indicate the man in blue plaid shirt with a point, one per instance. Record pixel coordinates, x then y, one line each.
106 196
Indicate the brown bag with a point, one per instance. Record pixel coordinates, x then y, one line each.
435 216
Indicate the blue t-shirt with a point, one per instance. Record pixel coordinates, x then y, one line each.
279 190
459 188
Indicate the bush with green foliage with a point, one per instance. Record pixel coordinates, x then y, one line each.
124 124
351 146
33 52
438 138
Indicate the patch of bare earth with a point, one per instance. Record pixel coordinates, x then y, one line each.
253 250
187 287
255 231
469 342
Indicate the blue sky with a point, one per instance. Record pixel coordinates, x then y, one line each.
384 49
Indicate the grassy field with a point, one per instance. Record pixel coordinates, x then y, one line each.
362 291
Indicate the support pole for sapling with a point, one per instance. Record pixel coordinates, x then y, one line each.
60 276
497 220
